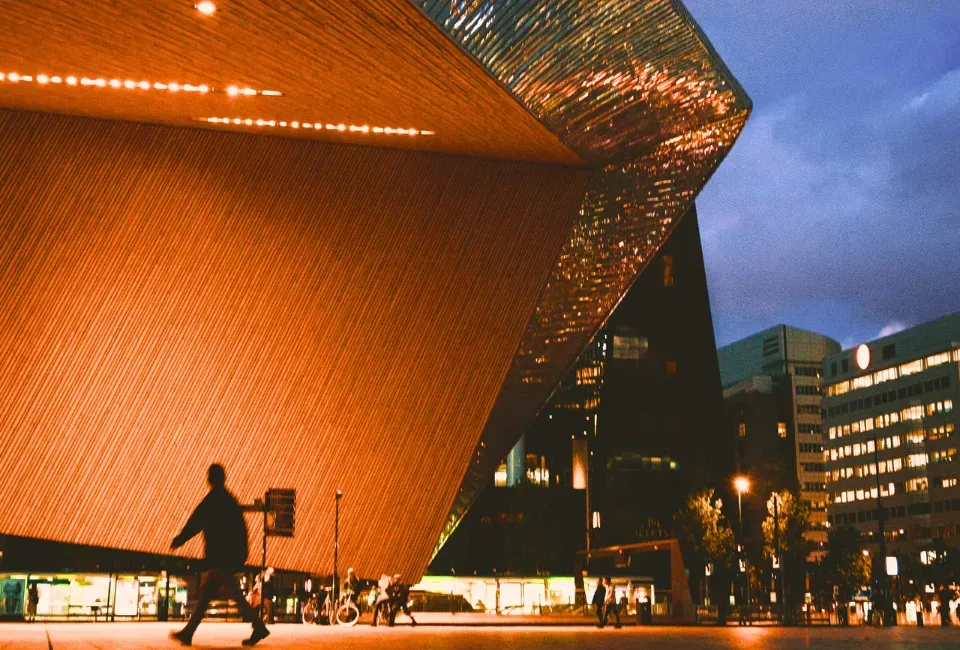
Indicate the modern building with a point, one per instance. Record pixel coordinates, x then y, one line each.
636 416
772 392
245 238
890 426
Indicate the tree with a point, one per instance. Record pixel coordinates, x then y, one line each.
845 567
707 535
788 518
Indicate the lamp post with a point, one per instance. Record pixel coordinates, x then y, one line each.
778 561
889 618
336 545
742 483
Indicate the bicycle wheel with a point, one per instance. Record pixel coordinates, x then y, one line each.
309 613
348 614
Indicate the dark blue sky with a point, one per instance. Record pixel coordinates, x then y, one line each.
838 210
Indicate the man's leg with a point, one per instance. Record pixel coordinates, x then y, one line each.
206 591
246 609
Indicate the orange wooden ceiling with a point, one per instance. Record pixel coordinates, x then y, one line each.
375 62
313 316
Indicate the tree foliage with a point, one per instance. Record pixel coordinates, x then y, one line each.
845 566
792 520
706 531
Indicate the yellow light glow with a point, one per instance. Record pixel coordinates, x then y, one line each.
863 357
742 483
206 7
101 82
341 128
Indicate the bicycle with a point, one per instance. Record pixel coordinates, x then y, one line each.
346 614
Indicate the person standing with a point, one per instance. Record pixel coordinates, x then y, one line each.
599 597
610 602
398 603
945 598
268 590
351 588
33 599
382 605
220 519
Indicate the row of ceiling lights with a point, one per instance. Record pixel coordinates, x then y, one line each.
173 86
352 128
208 8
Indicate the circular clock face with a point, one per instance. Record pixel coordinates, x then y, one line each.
863 357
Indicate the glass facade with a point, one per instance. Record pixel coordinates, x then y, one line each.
636 90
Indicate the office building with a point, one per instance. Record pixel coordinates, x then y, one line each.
772 392
890 427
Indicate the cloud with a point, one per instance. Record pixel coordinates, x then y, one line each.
891 328
836 210
942 95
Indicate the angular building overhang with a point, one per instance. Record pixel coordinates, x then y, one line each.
385 319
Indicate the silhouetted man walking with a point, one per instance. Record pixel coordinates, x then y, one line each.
220 520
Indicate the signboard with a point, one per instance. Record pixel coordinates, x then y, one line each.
892 567
280 506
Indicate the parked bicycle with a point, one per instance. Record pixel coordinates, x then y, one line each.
346 612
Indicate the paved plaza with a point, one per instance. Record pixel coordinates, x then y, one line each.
148 636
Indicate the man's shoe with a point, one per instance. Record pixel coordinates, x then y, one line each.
257 637
413 623
182 637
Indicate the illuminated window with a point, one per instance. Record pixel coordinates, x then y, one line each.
937 359
943 456
915 437
782 429
742 429
911 368
668 270
838 389
913 413
630 347
948 482
500 476
916 485
863 382
884 375
916 460
596 519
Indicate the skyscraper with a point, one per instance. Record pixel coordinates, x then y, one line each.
772 391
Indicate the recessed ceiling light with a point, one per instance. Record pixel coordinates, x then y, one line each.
206 7
129 84
351 128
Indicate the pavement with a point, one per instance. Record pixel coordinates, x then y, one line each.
151 636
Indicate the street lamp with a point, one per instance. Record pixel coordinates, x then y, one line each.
336 545
742 483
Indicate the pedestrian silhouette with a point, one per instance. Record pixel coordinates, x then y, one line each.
220 519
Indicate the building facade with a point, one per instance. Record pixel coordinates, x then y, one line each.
772 394
891 431
242 239
635 417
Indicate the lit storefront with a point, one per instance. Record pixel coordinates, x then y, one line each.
533 595
88 596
